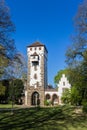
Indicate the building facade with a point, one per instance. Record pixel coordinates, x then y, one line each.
54 95
37 90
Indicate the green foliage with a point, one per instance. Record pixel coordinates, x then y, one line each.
75 96
59 74
52 118
2 89
84 107
16 90
66 96
3 61
76 57
47 102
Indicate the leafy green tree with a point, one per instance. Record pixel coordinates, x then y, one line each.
76 56
66 96
75 96
2 89
16 90
59 75
4 86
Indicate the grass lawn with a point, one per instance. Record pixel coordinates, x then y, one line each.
7 106
54 118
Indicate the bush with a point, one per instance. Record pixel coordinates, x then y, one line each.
84 107
47 103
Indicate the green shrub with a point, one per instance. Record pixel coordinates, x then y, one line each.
84 107
47 103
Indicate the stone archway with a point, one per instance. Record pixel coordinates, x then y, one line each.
55 99
35 99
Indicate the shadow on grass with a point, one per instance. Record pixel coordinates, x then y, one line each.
57 118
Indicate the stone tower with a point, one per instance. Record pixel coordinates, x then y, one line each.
37 74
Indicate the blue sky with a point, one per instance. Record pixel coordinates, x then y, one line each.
48 21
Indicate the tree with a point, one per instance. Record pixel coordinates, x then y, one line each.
75 96
66 96
16 90
3 61
14 72
2 89
2 92
17 68
4 86
7 45
59 75
78 50
76 55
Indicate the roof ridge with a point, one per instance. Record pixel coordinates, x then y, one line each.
36 44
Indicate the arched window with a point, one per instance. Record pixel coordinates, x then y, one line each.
54 99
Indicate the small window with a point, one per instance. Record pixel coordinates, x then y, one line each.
39 48
35 76
63 83
31 49
33 57
35 48
35 64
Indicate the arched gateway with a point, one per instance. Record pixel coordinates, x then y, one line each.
35 99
